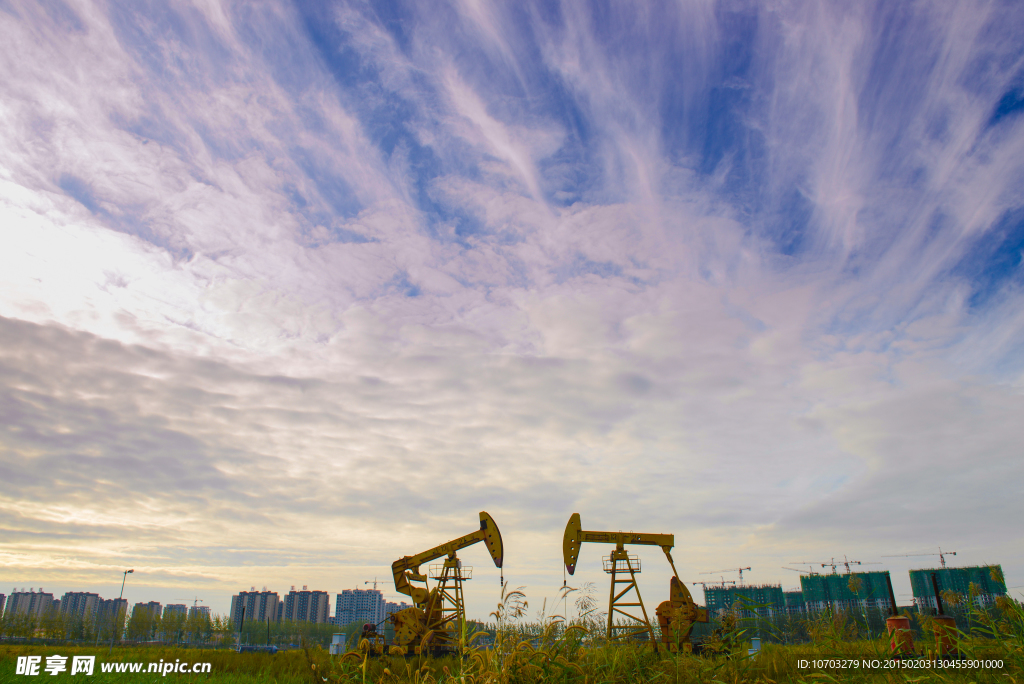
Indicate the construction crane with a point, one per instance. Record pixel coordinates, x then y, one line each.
941 554
845 562
739 570
833 563
374 583
433 609
805 572
704 585
675 616
195 601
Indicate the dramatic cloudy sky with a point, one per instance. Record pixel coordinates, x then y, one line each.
288 291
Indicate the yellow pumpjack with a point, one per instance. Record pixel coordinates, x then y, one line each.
426 624
675 616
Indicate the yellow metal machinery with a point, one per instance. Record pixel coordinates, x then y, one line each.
675 616
435 608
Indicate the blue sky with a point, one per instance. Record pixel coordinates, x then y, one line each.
748 273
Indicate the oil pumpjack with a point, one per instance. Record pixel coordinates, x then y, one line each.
675 616
433 609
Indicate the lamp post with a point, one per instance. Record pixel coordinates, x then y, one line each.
119 596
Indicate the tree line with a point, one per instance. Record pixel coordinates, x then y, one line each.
171 628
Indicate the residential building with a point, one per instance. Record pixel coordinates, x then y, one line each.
30 602
199 611
750 600
108 608
258 605
793 602
857 590
110 612
154 608
307 606
359 605
80 604
987 581
3 600
175 609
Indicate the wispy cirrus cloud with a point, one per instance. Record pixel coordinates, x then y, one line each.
751 274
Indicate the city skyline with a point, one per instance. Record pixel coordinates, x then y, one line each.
289 291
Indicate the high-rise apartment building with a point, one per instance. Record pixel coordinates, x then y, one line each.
980 583
175 609
199 611
857 590
110 612
3 600
746 601
108 608
359 605
81 604
153 608
30 602
255 605
306 605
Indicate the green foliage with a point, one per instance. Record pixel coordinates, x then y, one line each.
570 651
291 633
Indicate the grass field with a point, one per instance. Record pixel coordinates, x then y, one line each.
548 652
775 663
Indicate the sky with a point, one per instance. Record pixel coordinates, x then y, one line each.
290 290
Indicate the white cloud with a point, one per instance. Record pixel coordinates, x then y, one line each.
244 297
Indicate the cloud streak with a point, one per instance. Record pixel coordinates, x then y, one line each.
749 274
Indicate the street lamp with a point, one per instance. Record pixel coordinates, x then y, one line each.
112 632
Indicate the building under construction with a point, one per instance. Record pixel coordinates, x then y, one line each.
987 581
860 590
747 601
793 602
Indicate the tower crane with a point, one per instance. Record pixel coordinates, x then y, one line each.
195 601
845 562
739 570
675 616
433 609
941 554
832 563
704 585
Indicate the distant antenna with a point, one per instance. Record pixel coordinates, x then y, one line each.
941 554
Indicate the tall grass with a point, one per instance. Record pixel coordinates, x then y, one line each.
553 649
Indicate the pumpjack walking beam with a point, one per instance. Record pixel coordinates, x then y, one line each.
618 563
